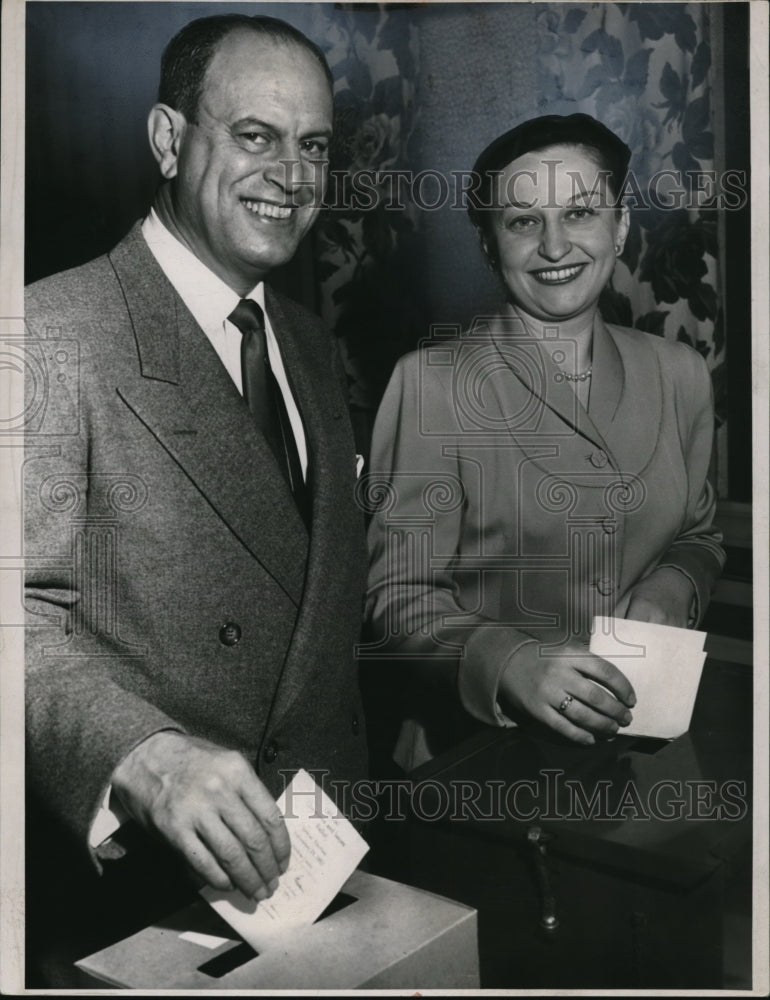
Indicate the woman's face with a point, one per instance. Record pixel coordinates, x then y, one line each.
556 234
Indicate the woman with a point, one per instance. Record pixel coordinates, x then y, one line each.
543 468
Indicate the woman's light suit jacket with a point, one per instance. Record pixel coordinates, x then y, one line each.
505 513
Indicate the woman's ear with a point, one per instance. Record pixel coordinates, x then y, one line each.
166 129
624 221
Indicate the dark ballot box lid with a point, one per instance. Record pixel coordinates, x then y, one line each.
671 811
649 888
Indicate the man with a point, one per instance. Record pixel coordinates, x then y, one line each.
195 557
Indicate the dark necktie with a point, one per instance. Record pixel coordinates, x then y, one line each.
265 399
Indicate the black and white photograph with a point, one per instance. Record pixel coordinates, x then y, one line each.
384 453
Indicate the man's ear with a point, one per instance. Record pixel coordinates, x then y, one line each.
166 129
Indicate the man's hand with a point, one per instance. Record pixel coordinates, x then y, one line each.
210 805
539 684
665 597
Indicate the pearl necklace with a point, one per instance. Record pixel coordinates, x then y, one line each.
578 376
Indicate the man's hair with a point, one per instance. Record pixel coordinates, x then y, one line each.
187 56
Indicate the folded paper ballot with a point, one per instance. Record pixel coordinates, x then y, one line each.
663 665
325 850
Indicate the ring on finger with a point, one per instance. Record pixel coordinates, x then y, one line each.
568 699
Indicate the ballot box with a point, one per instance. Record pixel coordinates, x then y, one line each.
377 934
619 866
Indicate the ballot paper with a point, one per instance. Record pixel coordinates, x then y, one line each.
663 665
325 850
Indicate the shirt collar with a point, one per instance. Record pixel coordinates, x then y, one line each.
207 297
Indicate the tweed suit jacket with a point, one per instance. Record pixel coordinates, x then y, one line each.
506 513
171 582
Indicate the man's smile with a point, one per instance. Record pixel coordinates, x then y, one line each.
268 209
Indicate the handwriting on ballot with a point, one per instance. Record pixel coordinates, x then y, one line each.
325 850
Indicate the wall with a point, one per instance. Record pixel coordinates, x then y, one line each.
474 84
424 87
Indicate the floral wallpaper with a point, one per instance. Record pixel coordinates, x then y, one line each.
368 247
645 71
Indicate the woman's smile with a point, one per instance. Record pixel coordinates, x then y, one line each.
558 275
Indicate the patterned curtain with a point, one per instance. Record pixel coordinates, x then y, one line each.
645 70
368 250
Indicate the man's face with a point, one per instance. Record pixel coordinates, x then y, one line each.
250 172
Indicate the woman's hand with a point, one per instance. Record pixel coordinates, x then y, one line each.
559 691
665 597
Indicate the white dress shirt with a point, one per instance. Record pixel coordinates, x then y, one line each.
210 301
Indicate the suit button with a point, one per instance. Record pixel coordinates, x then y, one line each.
355 725
270 753
609 525
230 634
605 585
598 458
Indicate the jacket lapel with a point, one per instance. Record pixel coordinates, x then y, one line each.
630 409
298 367
625 385
539 370
607 380
188 401
332 460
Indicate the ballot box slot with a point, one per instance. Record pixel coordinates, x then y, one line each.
340 901
241 952
649 744
231 959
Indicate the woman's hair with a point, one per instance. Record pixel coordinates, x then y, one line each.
610 153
